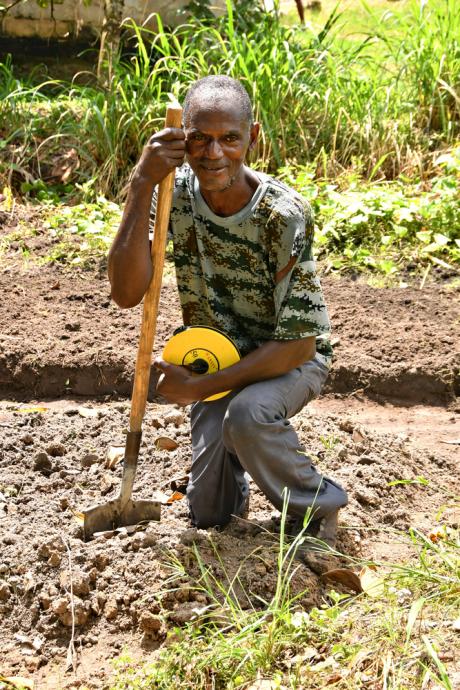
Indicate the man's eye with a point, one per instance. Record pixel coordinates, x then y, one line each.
231 137
197 137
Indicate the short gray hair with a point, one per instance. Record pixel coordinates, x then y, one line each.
217 87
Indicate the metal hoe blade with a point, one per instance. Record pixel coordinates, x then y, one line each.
122 511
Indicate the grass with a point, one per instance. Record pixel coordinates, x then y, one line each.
384 100
399 635
360 113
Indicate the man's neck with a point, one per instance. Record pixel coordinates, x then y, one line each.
231 200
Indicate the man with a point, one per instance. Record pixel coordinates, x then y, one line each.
244 265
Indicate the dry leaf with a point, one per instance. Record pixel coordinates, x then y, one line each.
454 442
357 436
177 483
113 456
345 577
371 583
87 412
176 496
161 497
79 517
17 682
330 680
165 443
31 410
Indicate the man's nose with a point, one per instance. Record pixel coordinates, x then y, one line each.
214 149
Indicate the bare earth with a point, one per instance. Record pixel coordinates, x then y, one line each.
390 413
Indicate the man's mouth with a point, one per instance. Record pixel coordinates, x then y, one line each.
213 168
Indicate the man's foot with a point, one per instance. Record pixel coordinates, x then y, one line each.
324 529
318 554
327 529
245 509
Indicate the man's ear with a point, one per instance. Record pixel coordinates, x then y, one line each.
254 135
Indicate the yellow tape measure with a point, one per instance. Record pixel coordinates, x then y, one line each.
203 350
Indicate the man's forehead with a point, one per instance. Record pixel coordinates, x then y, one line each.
207 109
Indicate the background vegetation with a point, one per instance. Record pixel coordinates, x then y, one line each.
363 116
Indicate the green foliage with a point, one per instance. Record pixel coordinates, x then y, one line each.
336 110
83 232
385 226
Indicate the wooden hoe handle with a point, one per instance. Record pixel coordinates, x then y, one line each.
152 296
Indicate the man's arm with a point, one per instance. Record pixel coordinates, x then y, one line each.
273 358
130 264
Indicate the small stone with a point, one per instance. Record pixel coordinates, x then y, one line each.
64 502
149 623
150 539
183 614
55 559
89 459
106 484
72 327
346 425
101 561
4 591
43 464
111 609
27 439
56 450
53 544
157 423
366 460
175 417
342 453
3 568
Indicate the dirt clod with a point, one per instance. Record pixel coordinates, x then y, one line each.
111 609
149 623
77 580
66 608
43 464
4 591
89 459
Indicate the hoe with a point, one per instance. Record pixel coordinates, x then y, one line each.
124 510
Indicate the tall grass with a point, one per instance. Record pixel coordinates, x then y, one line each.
397 635
382 102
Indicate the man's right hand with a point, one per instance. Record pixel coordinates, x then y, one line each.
164 151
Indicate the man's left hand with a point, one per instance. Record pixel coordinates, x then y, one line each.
176 383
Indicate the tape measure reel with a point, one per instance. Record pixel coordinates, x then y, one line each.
203 350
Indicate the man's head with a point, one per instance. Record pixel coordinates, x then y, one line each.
219 130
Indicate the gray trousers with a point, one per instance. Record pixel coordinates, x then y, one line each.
249 431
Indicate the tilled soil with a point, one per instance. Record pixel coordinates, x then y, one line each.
129 589
60 334
62 337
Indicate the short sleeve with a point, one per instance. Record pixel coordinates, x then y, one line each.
301 310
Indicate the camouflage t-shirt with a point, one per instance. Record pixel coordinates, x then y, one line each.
226 266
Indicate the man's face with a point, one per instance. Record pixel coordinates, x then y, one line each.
218 137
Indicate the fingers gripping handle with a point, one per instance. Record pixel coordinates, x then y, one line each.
152 296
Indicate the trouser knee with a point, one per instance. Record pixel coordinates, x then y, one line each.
240 424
